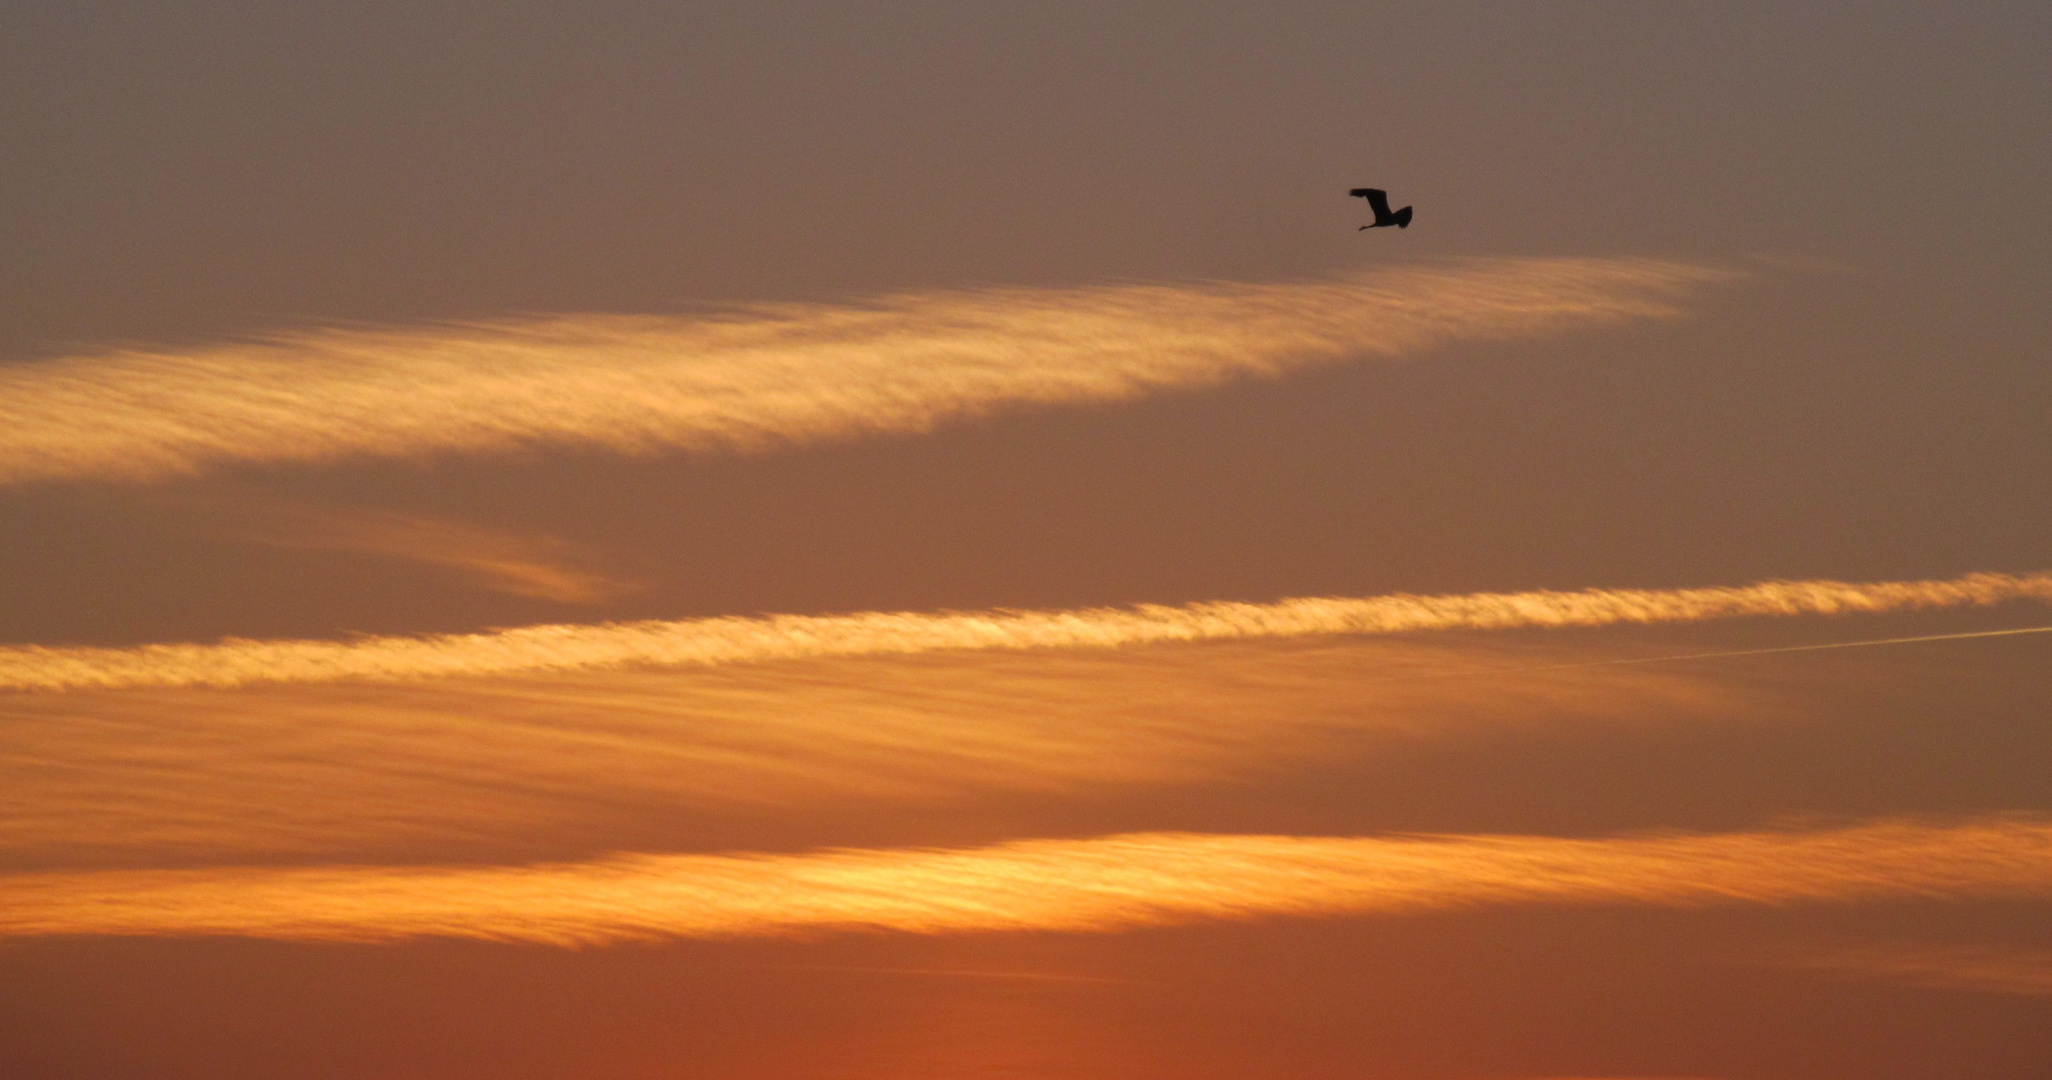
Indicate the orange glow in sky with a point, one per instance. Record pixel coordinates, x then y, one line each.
1106 884
920 541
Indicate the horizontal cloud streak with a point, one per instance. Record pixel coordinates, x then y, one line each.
563 766
719 641
762 376
1980 968
1106 884
520 564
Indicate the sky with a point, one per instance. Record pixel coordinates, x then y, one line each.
898 539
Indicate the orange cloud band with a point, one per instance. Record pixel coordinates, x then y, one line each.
1107 884
518 769
764 376
718 641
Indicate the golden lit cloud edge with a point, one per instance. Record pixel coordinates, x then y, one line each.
1092 885
765 376
734 640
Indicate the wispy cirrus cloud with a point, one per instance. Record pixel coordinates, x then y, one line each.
763 376
1104 884
564 765
527 564
721 641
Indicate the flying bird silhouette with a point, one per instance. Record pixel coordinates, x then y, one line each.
1378 201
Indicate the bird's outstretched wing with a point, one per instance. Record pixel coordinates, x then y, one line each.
1378 200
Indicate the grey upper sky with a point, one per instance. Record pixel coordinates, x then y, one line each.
1870 405
225 166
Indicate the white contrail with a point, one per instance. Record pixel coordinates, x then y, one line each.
764 376
718 641
1722 654
1104 884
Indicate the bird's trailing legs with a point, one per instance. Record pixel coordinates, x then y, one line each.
1378 201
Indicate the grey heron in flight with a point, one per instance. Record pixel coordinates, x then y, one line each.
1378 201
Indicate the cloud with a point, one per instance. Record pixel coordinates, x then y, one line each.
522 564
764 376
565 765
1104 884
720 641
1977 968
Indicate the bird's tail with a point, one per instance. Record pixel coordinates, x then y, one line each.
1403 218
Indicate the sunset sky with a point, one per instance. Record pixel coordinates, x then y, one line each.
805 541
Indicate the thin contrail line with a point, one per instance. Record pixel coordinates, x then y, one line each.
733 640
1761 652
